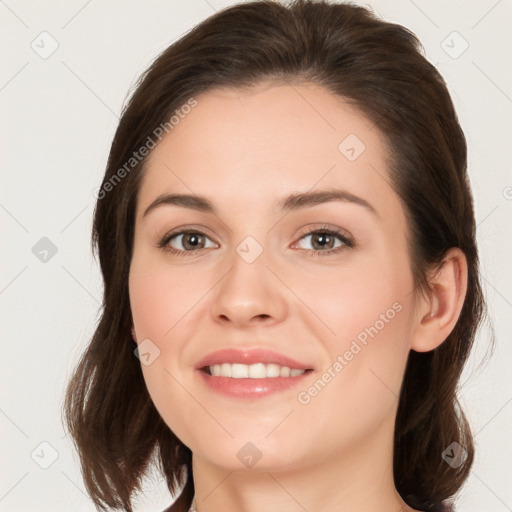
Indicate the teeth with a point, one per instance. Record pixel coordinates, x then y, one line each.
253 371
285 371
225 369
238 371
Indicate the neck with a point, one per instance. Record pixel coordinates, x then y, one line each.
356 480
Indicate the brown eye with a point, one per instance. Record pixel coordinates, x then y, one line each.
184 241
323 241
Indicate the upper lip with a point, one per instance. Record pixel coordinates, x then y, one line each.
252 356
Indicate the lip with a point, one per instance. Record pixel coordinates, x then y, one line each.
250 388
253 356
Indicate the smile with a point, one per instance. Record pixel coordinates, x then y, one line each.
251 373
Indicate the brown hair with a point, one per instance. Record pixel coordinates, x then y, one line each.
379 68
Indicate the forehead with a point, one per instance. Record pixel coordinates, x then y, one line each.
248 147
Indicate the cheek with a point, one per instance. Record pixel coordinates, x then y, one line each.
161 296
157 303
165 302
354 299
368 311
363 376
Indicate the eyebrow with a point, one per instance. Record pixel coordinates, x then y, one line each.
292 202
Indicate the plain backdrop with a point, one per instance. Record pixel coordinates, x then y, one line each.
67 68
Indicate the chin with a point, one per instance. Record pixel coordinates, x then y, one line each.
251 453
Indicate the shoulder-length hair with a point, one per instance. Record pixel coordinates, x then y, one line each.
378 67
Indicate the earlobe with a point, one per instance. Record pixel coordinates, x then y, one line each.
438 314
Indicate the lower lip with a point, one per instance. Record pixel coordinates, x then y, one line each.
251 388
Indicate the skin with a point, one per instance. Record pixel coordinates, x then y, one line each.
245 151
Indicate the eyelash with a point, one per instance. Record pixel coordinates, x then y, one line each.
347 242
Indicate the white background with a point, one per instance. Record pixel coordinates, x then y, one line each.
59 115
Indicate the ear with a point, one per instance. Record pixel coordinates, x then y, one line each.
437 314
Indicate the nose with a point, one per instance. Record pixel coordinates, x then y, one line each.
249 294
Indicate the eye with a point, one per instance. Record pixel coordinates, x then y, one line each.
190 240
324 238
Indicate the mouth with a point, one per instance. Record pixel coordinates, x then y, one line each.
251 373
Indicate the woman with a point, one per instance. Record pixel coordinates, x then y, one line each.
262 376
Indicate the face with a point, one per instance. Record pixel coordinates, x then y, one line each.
325 282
